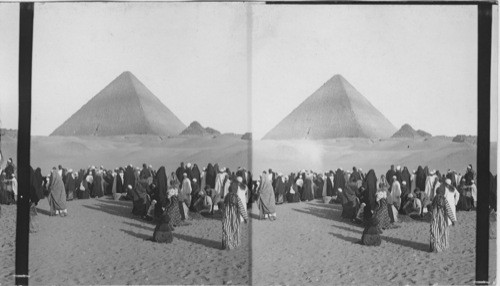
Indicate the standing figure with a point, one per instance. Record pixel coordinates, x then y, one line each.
57 195
440 221
266 203
232 211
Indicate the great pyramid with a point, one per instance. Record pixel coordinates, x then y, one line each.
335 110
125 106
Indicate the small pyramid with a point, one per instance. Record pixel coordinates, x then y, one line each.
125 106
195 129
335 110
406 131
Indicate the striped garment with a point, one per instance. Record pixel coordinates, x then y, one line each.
233 209
439 226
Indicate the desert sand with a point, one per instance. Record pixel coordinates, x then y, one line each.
100 242
310 243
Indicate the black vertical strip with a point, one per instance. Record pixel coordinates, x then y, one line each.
483 141
23 142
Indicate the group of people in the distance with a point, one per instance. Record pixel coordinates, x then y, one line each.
169 201
377 202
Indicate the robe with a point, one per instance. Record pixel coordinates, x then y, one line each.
70 187
280 190
307 192
266 201
370 185
210 176
57 196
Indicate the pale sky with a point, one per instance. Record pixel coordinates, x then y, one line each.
416 64
192 57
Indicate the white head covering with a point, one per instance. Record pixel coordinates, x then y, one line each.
300 182
239 179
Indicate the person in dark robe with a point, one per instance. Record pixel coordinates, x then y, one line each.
355 176
195 194
371 233
130 180
421 177
340 182
406 177
195 173
85 187
280 189
211 174
370 185
120 181
318 186
390 174
451 175
293 194
98 185
10 169
350 201
140 200
180 171
36 194
405 192
5 197
70 186
145 172
470 175
163 230
330 191
465 201
307 192
160 192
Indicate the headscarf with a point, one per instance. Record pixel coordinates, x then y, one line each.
439 199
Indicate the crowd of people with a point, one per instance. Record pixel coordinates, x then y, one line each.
377 202
170 201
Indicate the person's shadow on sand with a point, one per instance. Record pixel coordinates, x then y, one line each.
202 241
406 243
42 211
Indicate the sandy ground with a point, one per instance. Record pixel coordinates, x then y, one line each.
100 242
310 244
